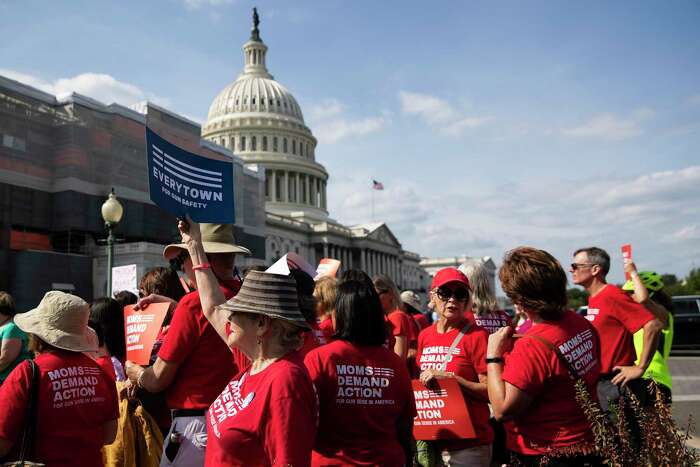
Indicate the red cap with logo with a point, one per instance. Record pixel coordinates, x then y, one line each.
447 275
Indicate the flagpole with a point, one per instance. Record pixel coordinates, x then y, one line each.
373 190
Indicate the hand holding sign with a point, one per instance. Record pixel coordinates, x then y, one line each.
141 329
627 257
441 411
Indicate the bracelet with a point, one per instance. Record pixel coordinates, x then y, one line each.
494 360
201 266
139 380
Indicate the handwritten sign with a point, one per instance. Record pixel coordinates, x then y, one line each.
182 182
442 413
627 254
125 278
327 267
141 329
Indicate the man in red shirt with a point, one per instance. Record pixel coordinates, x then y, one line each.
194 364
616 317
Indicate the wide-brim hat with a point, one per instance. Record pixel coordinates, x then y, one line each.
60 320
268 294
411 298
216 238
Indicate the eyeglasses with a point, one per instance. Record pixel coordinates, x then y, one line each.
576 266
461 294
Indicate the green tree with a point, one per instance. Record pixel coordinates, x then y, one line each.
576 297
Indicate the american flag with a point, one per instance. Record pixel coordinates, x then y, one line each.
377 185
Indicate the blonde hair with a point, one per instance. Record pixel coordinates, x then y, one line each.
325 293
483 297
384 283
289 337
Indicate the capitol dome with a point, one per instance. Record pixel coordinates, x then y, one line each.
261 122
255 94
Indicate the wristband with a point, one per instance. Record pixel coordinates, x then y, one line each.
494 360
139 380
201 266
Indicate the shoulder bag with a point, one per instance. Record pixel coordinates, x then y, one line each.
30 423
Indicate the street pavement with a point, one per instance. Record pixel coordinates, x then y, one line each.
686 394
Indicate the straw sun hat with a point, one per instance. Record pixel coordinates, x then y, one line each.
268 294
216 238
60 320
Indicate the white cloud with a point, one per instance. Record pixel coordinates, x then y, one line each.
99 86
651 211
610 126
331 124
439 113
694 100
196 4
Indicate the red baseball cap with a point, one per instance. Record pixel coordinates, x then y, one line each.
447 275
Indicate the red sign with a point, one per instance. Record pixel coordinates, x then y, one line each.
627 254
442 413
141 329
327 267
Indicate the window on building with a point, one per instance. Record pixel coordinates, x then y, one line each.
232 143
13 142
285 149
292 187
264 143
268 184
304 186
253 143
252 101
274 144
279 182
241 144
294 146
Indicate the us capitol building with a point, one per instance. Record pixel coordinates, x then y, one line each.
61 155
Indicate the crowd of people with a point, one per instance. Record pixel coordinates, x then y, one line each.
270 369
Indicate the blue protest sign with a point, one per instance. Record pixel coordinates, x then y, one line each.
185 183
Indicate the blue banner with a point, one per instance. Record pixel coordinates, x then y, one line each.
185 183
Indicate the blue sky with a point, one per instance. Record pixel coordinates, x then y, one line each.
554 124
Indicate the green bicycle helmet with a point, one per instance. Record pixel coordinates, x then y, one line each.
651 280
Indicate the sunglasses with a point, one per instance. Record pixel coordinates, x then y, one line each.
461 294
177 262
576 266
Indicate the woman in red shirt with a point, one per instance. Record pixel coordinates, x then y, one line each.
266 415
76 412
484 309
532 388
325 294
400 323
450 293
366 404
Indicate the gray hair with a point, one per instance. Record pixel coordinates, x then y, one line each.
596 256
483 297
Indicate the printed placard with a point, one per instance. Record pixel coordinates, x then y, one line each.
441 411
141 329
291 260
327 267
184 183
627 254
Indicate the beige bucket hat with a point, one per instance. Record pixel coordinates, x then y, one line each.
216 238
61 320
268 294
411 298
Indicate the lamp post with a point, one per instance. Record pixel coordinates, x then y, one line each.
112 212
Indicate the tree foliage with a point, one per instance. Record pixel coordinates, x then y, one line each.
690 285
577 297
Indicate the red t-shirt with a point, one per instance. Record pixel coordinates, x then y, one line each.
310 341
422 321
326 331
105 363
402 325
616 317
492 322
468 361
75 400
264 419
553 419
362 392
204 359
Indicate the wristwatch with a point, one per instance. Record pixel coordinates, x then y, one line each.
494 360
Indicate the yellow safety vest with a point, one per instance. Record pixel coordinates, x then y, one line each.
658 368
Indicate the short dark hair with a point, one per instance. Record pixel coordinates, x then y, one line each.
596 256
125 298
359 317
106 314
357 275
535 280
7 304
